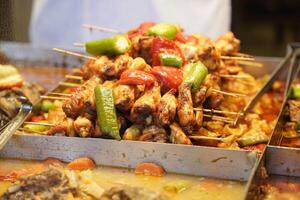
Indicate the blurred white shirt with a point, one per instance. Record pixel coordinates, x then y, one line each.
58 22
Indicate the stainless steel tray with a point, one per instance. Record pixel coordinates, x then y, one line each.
193 160
276 160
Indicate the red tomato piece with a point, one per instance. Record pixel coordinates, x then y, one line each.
136 77
160 45
37 118
170 77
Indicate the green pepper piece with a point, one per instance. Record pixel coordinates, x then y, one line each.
106 112
36 127
296 92
165 30
252 138
194 74
297 127
47 105
114 45
170 60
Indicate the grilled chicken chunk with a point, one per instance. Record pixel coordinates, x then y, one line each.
95 67
82 100
228 44
154 134
177 135
185 110
83 127
214 99
124 97
209 55
145 107
199 118
166 111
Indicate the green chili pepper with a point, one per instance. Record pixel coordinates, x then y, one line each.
114 45
170 60
106 112
252 138
165 30
194 74
47 105
296 92
297 127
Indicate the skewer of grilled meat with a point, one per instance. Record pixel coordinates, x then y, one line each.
228 44
144 108
166 111
105 67
82 99
154 133
185 110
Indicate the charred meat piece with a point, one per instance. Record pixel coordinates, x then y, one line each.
95 67
132 193
214 99
83 127
65 127
294 108
145 107
166 111
122 63
208 54
124 97
50 184
199 118
177 135
82 99
154 134
228 44
142 47
185 109
200 96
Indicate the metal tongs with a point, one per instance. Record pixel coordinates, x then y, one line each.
11 128
274 76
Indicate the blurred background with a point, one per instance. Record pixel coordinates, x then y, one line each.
264 27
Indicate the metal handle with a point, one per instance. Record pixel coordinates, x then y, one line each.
15 124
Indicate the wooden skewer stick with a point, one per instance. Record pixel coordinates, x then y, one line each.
219 118
251 64
234 76
242 55
78 44
74 77
229 93
200 137
74 54
101 29
218 111
40 123
67 84
59 94
236 58
54 98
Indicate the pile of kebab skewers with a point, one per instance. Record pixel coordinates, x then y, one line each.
156 83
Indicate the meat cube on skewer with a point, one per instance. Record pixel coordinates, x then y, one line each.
177 135
185 110
166 111
145 107
124 97
82 99
154 134
294 108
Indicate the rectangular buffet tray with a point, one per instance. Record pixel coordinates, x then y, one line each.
276 159
193 160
